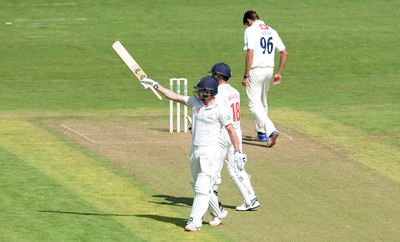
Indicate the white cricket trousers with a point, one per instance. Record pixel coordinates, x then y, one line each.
257 95
204 164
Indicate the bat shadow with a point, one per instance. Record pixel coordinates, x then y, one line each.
85 213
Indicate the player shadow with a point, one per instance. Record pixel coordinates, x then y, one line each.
161 130
253 144
170 201
85 213
248 140
179 222
166 130
182 201
175 201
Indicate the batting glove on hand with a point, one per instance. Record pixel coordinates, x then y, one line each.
240 160
147 82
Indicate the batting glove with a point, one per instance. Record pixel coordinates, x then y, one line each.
147 82
240 160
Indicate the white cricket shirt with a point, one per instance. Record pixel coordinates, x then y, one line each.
207 121
230 97
264 41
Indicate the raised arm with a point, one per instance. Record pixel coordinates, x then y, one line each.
171 95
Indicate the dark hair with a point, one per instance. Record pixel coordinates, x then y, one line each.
218 76
221 70
250 15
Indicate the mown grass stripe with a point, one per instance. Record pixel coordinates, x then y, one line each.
101 187
35 207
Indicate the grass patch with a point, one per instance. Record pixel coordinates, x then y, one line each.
37 207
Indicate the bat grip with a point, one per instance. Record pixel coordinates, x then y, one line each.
156 93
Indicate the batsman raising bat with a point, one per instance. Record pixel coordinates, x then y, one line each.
208 120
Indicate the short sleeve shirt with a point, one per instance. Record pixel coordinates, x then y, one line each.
207 121
230 97
264 41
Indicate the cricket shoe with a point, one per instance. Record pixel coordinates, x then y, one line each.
244 207
190 227
261 137
272 139
217 221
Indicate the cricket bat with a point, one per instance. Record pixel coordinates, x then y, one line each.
132 64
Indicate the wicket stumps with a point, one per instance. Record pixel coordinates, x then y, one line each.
177 81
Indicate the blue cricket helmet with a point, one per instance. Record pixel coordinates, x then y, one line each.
222 69
208 84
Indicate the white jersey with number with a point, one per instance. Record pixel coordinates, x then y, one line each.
264 41
230 97
207 121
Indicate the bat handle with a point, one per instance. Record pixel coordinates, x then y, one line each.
156 93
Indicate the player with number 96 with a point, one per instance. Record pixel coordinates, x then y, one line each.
260 44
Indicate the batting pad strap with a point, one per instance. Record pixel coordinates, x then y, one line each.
215 207
217 182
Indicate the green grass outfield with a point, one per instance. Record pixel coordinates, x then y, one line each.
85 154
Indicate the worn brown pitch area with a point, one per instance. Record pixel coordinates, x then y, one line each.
141 146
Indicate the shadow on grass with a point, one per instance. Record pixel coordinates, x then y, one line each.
173 220
181 201
170 201
253 144
84 213
179 222
175 201
162 130
248 140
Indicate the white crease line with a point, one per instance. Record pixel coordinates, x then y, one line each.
76 132
286 135
39 4
131 142
29 20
